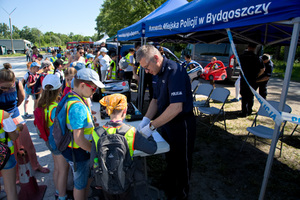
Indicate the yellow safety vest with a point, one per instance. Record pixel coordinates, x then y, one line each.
129 136
49 112
53 59
92 65
128 58
10 143
114 69
88 131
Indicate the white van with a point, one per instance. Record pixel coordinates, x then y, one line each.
202 53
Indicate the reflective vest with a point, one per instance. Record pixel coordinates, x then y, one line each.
49 112
114 69
53 59
129 136
128 58
92 65
89 129
10 143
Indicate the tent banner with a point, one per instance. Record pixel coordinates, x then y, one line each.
200 15
272 112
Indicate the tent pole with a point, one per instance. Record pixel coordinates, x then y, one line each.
287 77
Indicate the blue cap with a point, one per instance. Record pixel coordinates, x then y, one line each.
58 55
90 56
35 64
79 66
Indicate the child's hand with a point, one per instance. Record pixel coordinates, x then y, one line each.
20 127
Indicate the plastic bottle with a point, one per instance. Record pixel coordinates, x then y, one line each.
96 163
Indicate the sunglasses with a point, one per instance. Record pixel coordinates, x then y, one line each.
93 88
81 53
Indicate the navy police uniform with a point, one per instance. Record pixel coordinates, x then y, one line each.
172 85
251 65
262 86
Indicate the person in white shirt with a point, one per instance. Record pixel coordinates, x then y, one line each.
104 60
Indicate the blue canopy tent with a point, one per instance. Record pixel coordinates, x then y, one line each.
137 31
134 31
259 21
196 21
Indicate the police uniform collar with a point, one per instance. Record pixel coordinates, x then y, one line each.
164 65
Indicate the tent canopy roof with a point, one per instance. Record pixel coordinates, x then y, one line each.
134 31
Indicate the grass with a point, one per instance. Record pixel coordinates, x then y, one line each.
221 171
12 55
280 67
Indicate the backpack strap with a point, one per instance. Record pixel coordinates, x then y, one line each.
123 129
17 85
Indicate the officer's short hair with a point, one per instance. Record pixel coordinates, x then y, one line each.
147 52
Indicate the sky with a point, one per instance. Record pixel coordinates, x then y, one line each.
59 16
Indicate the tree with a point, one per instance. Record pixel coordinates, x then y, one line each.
15 32
4 31
117 14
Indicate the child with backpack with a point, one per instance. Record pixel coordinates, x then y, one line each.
46 67
29 81
79 122
58 67
44 116
113 175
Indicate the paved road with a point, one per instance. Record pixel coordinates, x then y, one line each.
45 158
44 155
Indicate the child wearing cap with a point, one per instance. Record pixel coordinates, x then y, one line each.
31 79
48 101
90 61
80 123
116 108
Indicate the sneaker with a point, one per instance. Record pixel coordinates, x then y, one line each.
234 100
27 116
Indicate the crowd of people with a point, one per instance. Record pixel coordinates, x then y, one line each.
76 78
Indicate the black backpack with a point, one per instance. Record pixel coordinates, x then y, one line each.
38 84
114 170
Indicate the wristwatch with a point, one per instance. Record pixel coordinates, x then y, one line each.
152 128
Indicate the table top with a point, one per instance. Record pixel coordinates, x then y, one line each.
162 145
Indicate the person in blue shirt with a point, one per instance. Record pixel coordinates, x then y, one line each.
173 104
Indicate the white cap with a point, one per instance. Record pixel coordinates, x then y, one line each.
88 74
103 49
53 80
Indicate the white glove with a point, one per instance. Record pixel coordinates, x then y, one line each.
143 123
146 131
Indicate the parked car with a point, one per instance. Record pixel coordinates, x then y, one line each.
214 71
203 53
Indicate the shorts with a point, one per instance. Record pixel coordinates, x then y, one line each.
81 175
11 163
34 96
55 152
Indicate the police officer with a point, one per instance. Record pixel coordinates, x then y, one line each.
173 103
251 66
263 79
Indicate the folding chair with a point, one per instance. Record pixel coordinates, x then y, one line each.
205 90
264 131
294 130
221 95
194 86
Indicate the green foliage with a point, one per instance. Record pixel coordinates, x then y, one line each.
116 14
35 36
280 67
